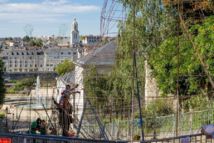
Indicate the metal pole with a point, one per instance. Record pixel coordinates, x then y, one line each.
178 71
135 73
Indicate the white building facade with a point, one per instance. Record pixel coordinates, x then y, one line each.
56 55
35 60
91 40
22 60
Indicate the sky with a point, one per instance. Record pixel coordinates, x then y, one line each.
49 17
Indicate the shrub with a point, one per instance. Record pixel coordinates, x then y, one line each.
155 109
197 102
159 107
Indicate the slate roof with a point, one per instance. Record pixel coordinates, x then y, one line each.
104 55
68 78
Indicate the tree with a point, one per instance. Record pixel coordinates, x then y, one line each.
36 42
192 78
26 38
64 67
2 87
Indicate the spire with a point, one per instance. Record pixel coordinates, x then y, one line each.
74 38
75 25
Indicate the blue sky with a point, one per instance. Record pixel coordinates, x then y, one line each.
49 17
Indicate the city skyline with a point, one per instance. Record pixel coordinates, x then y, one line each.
49 17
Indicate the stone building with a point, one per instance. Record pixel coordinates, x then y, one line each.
54 56
90 40
19 58
22 60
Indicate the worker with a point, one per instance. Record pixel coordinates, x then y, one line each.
65 114
35 126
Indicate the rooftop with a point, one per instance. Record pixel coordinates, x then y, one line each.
104 55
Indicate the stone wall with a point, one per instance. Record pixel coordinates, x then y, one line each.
151 88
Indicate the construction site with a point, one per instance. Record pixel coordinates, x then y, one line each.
152 82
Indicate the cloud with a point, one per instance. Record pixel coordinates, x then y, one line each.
46 10
55 2
3 1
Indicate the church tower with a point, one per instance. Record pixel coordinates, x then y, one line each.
74 39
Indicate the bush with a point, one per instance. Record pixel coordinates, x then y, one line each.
197 102
64 67
21 85
24 83
159 107
156 109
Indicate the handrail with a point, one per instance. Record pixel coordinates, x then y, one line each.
54 138
173 138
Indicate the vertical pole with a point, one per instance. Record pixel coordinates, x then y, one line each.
30 109
177 94
136 89
6 117
180 3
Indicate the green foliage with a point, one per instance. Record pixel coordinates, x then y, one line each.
154 110
96 86
26 39
64 67
2 115
165 61
197 103
2 87
159 107
22 84
37 42
106 93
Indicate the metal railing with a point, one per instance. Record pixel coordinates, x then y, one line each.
193 138
33 138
